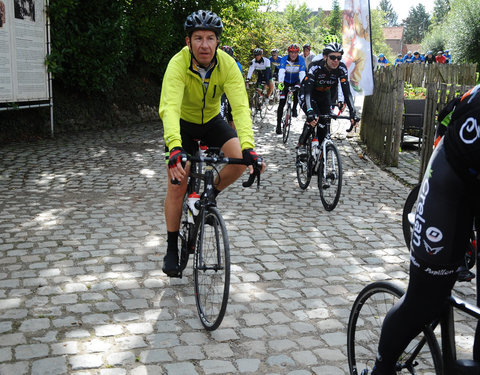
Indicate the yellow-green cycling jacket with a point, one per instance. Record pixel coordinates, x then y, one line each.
184 96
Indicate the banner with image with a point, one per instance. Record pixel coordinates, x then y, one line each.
23 48
357 46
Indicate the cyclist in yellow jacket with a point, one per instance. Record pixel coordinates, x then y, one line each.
193 84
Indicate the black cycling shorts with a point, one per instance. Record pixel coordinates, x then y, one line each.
214 133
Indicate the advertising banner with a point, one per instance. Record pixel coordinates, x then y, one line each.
23 48
357 46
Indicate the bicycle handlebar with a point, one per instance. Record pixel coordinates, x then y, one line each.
224 160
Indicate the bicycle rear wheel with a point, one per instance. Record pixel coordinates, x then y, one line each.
263 106
422 356
211 269
287 121
330 177
304 165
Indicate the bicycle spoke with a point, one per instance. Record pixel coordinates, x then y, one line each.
212 270
330 178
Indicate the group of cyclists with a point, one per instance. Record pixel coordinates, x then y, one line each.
441 57
196 78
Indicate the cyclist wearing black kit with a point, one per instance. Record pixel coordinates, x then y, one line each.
448 200
315 93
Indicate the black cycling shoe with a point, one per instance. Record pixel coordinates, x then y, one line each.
279 130
170 264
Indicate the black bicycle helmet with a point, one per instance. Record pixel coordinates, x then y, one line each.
333 47
203 20
257 52
228 50
307 45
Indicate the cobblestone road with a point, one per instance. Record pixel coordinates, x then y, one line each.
81 290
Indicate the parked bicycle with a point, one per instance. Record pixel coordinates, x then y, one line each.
423 355
203 233
287 114
324 161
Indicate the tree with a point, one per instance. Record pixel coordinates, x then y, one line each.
440 10
462 31
416 24
378 22
390 14
335 21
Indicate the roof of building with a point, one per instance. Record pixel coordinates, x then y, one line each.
414 47
395 33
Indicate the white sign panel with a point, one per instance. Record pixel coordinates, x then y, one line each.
23 48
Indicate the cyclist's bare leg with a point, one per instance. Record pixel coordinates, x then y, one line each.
270 88
231 172
173 202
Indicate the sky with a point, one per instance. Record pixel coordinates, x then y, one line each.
401 7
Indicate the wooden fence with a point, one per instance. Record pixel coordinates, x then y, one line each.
382 111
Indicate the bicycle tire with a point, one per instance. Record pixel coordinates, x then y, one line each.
330 176
271 101
253 108
363 333
263 106
409 207
287 120
212 269
305 167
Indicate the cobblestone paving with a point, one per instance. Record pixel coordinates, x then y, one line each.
82 237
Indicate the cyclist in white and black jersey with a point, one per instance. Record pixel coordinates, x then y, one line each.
262 66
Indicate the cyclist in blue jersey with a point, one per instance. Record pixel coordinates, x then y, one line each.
292 72
417 59
398 60
382 61
407 59
448 198
447 55
275 63
262 66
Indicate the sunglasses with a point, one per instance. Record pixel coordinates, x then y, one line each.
333 58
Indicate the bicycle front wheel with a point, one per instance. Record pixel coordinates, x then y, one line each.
304 165
211 269
422 356
330 177
287 121
254 107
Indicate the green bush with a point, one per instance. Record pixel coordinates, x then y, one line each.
91 47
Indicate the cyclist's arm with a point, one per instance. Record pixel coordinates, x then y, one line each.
234 87
251 69
171 101
302 69
281 70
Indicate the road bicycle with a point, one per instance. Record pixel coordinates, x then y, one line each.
423 355
323 161
259 102
203 233
287 114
